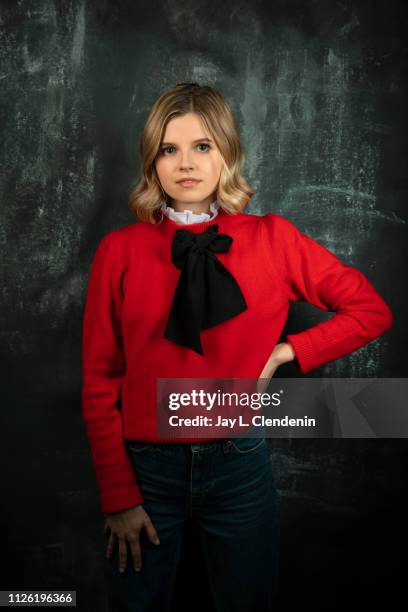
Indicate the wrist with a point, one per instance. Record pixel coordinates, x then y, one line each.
284 353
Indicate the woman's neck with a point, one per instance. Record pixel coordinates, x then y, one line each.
195 207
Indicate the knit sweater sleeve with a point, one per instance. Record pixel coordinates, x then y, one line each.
313 274
103 370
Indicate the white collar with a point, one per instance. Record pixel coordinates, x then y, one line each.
188 217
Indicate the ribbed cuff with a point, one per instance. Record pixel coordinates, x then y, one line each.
304 351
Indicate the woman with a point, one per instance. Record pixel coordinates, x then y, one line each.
198 289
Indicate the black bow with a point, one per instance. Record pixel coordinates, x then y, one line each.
206 293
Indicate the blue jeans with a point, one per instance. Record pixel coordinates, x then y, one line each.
226 487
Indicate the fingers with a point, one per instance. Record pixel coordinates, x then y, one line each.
151 531
265 378
122 554
262 384
109 547
136 553
135 549
131 536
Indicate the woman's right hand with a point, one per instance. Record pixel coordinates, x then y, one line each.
126 525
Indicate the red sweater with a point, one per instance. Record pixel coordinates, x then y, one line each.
129 296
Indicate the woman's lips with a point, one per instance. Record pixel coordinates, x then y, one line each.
188 183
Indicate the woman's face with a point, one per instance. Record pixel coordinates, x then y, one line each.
188 151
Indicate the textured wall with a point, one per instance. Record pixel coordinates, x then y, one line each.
319 92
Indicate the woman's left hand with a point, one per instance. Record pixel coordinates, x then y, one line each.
282 353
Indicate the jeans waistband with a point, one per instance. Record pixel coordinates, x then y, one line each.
201 447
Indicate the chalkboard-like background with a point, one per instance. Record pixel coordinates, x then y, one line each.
319 91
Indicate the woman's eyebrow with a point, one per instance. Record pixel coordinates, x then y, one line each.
198 140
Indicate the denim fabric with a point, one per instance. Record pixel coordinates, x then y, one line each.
226 487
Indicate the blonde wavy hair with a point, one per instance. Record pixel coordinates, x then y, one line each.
147 198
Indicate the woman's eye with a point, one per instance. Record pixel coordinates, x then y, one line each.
201 144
